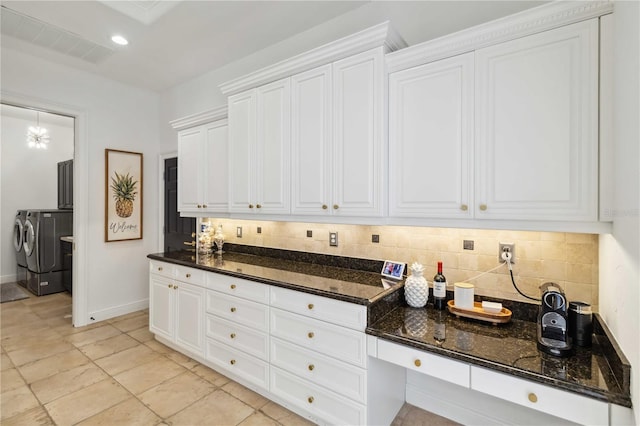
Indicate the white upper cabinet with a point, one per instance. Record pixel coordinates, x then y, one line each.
431 139
311 139
259 149
338 162
359 140
537 126
202 169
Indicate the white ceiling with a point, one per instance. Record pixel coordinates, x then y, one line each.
174 41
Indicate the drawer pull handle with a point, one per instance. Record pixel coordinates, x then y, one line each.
311 367
199 206
233 309
232 362
233 286
170 286
188 275
250 206
310 399
258 206
324 207
310 306
175 287
464 207
232 335
533 397
483 207
336 207
204 206
417 363
160 268
310 335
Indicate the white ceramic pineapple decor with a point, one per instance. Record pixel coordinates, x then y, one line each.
416 288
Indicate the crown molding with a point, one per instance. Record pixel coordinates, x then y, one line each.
538 19
204 117
381 35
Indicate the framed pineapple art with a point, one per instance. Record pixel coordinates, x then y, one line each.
123 195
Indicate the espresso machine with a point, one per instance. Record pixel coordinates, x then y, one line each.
553 322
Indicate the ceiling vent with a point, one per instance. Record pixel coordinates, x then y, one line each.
34 31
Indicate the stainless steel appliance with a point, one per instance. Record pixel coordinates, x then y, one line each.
43 229
18 244
553 324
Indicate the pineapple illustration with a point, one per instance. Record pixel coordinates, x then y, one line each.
124 192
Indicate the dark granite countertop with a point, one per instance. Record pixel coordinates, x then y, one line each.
601 372
508 348
349 285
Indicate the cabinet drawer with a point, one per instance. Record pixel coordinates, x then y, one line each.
238 287
539 397
162 268
334 311
238 310
239 337
342 343
342 378
190 275
322 403
243 365
423 362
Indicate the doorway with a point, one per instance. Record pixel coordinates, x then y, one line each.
178 231
35 142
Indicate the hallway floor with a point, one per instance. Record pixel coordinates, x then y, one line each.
114 373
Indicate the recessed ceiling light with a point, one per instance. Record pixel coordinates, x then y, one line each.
118 39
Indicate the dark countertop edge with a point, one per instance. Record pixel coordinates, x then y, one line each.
598 394
337 296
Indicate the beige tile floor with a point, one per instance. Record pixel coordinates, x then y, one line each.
114 373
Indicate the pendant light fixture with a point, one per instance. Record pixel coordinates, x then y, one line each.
37 137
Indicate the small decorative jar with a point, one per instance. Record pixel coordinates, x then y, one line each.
218 239
416 288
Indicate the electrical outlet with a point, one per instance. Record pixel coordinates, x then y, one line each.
467 244
309 233
259 230
239 232
333 239
375 238
508 247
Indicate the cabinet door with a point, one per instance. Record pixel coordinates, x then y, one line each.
161 306
189 317
68 184
189 169
242 139
358 163
430 139
273 154
216 167
61 185
537 126
311 142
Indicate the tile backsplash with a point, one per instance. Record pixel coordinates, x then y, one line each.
568 259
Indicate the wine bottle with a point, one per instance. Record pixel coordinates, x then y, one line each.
439 289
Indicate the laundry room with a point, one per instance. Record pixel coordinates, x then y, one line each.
36 182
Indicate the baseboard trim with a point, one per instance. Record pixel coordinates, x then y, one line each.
6 279
105 314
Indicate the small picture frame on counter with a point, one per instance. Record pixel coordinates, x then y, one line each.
392 269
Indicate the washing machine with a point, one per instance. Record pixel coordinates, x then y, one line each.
43 250
18 244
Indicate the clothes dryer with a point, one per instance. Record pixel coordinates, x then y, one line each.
18 244
43 229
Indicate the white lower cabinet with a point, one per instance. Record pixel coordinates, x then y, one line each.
539 397
320 369
176 309
322 403
437 366
239 363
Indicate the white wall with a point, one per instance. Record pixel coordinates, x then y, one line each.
620 252
40 189
117 116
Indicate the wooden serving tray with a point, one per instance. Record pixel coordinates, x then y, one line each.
479 314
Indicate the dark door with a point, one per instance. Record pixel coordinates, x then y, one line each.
177 230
